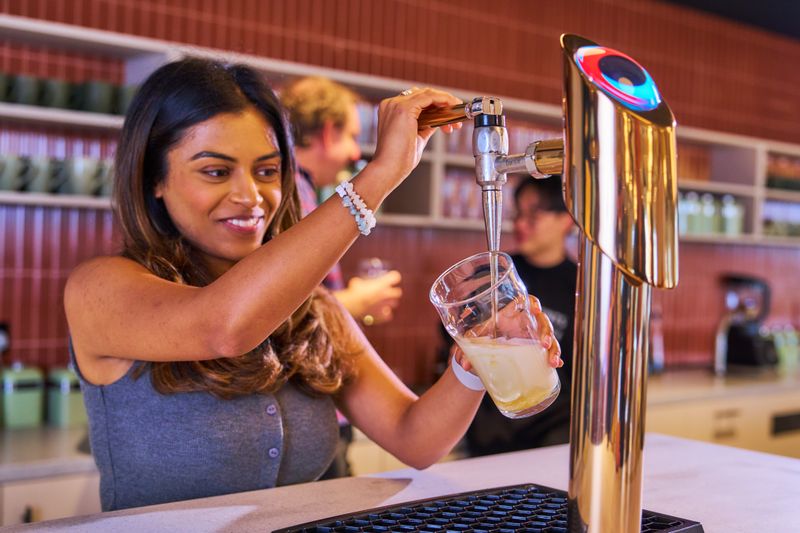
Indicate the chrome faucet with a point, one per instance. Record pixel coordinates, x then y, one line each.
617 161
492 162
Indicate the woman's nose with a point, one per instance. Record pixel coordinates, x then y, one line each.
245 191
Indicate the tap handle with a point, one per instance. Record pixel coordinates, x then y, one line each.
433 117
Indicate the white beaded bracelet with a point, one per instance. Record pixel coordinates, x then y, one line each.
468 379
365 218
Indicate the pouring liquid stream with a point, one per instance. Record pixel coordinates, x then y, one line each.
492 208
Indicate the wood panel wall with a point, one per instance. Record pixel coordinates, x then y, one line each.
715 74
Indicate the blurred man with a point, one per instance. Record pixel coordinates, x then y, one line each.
541 227
326 126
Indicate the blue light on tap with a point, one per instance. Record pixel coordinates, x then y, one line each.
619 76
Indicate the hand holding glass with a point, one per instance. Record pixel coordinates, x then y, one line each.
489 317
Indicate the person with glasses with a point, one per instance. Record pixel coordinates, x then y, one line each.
542 226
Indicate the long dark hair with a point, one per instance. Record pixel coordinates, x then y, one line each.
174 98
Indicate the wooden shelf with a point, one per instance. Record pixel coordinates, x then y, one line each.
65 117
780 194
744 239
76 38
54 200
735 189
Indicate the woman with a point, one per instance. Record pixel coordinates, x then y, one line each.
210 361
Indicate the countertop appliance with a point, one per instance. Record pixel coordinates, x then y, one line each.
741 342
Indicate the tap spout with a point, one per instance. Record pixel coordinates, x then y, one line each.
434 117
541 159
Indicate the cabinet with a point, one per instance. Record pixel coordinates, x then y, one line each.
34 500
441 192
760 422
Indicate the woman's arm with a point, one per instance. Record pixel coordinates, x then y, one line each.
417 430
116 308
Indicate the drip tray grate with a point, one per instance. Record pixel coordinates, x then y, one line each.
519 508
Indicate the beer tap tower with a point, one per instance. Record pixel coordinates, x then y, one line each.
618 168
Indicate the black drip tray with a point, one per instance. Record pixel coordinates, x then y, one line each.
518 508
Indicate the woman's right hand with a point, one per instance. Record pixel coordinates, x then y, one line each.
400 141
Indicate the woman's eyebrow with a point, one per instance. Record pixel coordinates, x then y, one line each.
217 155
276 153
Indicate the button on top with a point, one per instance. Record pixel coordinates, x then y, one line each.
273 452
271 409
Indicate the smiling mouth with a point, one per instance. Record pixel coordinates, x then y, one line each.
246 223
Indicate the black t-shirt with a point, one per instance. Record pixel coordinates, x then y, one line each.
491 432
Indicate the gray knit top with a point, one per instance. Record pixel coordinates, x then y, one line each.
153 448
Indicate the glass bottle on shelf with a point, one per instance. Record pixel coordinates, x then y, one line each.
692 208
732 216
683 213
708 210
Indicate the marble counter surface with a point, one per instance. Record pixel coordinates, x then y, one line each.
728 490
687 386
42 452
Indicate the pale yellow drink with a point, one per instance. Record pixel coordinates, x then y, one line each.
515 373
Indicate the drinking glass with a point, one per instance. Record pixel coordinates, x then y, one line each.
372 267
488 315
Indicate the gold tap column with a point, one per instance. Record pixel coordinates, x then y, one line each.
608 396
620 187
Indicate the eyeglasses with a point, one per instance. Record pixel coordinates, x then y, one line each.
534 215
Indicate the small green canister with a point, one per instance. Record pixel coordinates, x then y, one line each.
64 400
23 396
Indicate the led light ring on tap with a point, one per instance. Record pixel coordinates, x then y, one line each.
619 76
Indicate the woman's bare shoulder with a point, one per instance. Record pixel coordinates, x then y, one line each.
102 274
107 265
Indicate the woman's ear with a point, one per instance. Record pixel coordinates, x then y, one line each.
158 191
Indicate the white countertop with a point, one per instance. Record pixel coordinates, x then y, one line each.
728 490
687 386
42 452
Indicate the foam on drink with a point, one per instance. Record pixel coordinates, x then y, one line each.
514 371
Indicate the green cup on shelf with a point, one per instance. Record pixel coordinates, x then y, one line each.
125 95
107 178
46 174
5 80
85 176
14 174
94 96
24 89
55 93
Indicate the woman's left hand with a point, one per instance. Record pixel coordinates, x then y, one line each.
546 338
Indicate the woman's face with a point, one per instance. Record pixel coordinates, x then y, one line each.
223 186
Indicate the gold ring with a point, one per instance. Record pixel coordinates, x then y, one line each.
368 320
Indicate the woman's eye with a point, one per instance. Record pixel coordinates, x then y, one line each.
268 173
217 172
